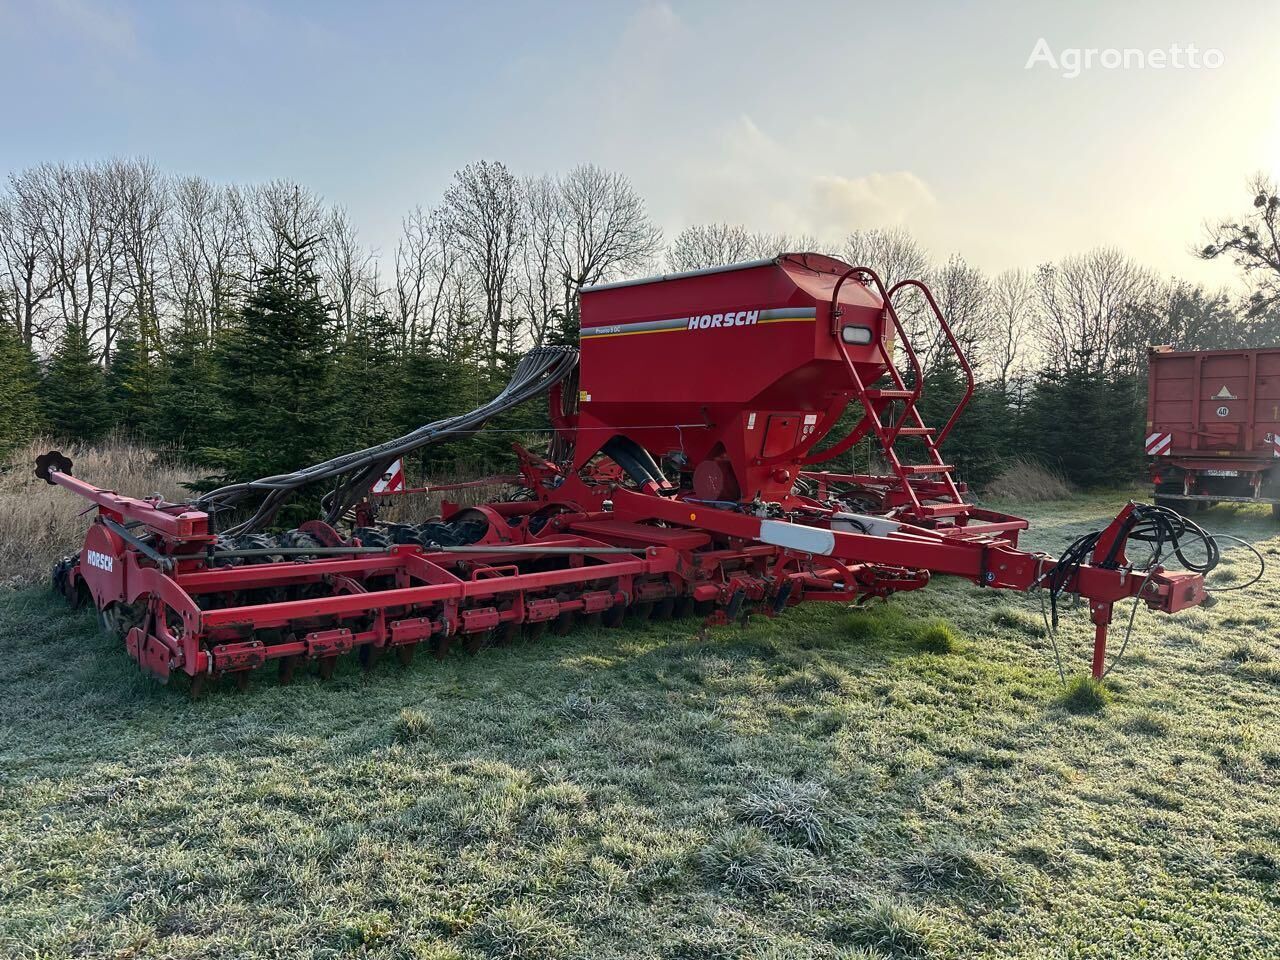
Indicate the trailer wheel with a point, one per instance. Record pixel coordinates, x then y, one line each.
1183 508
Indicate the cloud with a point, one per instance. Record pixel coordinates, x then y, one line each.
841 204
749 175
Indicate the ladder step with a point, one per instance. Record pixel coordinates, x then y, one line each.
943 509
915 431
927 468
876 394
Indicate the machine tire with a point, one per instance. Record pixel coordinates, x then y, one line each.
1184 508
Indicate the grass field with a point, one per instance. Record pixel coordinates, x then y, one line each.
829 784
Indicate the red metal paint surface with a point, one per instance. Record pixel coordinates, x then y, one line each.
742 402
1215 403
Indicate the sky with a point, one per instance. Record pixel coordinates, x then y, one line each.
814 118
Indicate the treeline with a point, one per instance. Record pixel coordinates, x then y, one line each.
251 327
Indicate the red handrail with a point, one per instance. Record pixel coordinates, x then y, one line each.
893 315
955 348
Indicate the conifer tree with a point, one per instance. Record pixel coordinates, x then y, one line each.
184 398
1088 424
275 404
369 378
19 377
131 382
430 388
73 394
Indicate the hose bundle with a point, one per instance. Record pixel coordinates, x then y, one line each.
1165 531
356 472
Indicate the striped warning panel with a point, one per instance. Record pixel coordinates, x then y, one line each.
392 481
1159 444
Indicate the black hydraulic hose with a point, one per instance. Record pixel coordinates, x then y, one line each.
355 472
1160 527
634 460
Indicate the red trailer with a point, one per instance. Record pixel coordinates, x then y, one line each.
1213 427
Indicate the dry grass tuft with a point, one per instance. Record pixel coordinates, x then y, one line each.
39 523
413 724
957 868
1086 695
789 812
1028 481
1149 723
889 930
520 932
585 706
938 638
747 860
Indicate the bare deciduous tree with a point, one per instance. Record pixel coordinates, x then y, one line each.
718 244
604 230
139 209
28 273
1012 313
543 289
1083 304
425 262
962 293
347 268
1253 244
894 254
709 245
485 211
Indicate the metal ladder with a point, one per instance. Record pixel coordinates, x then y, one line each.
877 400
